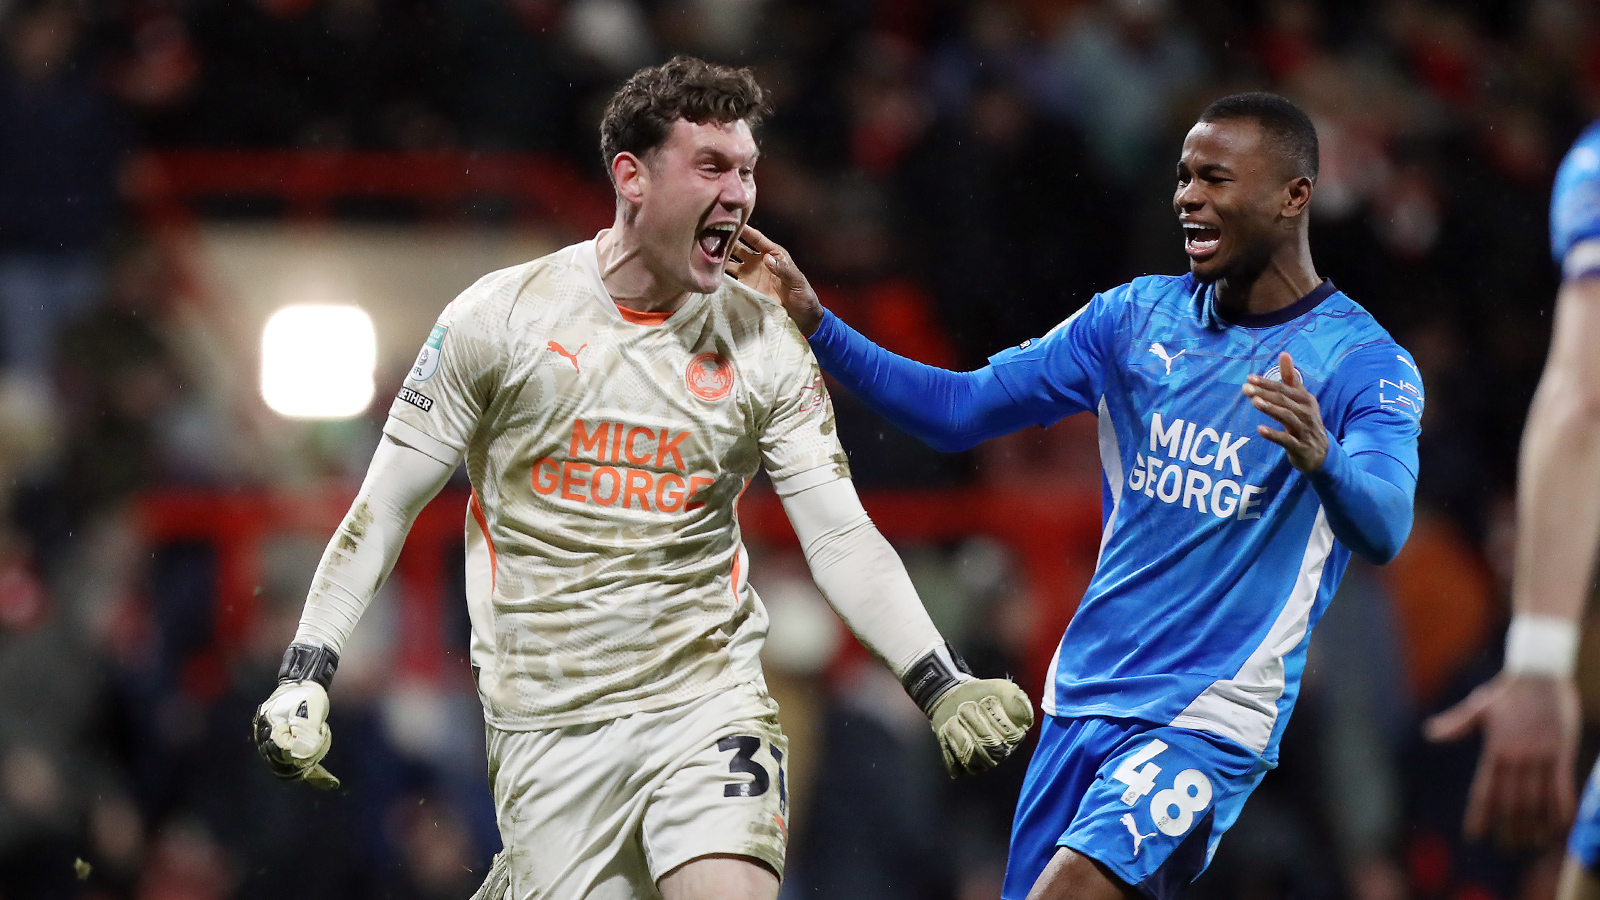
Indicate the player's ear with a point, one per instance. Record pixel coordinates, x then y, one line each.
629 174
1297 196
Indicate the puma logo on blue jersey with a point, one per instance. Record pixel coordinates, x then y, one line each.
1161 351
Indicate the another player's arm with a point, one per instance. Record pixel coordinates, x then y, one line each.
978 722
950 411
1524 790
1367 496
291 728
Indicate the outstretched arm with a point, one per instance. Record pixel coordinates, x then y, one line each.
1524 790
291 728
400 481
978 722
950 411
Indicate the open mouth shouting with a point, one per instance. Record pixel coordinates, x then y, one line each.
1200 240
716 242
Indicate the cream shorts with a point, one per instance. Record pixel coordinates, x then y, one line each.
605 810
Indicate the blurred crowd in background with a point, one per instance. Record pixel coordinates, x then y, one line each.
955 176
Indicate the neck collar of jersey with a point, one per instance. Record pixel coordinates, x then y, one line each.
589 261
1278 317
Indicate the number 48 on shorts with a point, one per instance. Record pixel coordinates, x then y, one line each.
1172 810
1158 801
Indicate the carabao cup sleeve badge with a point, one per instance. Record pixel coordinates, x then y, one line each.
428 360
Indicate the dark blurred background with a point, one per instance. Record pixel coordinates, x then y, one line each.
954 176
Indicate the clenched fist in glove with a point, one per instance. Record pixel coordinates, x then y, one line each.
978 722
291 728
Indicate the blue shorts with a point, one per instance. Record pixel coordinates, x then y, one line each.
1148 802
1583 844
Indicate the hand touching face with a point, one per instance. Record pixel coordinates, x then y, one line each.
768 269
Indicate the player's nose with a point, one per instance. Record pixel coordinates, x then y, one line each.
1188 197
737 192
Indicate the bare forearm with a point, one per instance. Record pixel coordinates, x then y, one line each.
1558 496
1558 503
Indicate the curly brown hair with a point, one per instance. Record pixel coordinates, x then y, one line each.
642 111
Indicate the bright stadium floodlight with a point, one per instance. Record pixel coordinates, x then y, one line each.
317 361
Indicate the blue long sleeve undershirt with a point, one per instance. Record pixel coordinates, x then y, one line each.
948 411
1367 499
1367 496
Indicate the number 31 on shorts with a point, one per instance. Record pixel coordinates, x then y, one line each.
1172 810
744 747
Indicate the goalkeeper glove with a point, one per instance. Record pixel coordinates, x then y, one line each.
978 722
291 728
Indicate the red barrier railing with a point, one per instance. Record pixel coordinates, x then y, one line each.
539 188
1055 538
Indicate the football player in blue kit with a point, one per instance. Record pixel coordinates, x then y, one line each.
1529 714
1256 427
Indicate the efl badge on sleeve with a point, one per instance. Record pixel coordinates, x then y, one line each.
428 360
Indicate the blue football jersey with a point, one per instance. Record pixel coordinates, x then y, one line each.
1216 558
1575 207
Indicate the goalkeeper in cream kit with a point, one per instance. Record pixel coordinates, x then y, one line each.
611 401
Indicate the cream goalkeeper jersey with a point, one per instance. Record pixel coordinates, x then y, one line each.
607 453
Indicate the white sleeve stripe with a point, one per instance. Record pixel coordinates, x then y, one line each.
790 485
1583 260
412 436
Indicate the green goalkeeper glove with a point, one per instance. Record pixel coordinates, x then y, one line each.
978 722
291 728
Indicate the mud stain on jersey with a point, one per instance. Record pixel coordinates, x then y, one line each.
830 422
841 465
360 520
355 527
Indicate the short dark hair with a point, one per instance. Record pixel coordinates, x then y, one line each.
642 111
1287 126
